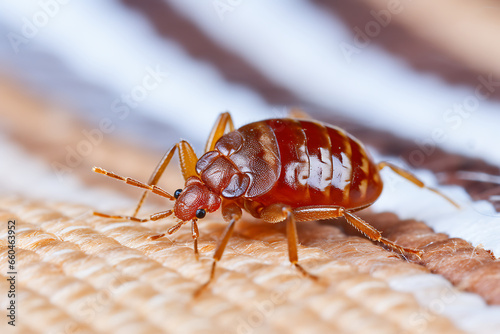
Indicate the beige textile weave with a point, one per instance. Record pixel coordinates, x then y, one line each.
83 274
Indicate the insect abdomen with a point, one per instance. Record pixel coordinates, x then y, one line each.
320 165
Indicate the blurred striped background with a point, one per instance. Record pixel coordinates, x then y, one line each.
116 83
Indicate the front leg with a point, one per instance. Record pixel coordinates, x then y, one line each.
195 234
187 159
223 122
231 213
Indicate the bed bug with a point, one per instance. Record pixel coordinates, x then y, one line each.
283 169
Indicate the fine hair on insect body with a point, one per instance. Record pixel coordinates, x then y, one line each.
278 170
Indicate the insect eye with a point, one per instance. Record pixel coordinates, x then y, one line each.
177 193
200 213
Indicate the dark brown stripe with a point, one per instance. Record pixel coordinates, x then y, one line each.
398 40
171 25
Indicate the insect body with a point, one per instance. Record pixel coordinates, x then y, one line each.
294 162
277 170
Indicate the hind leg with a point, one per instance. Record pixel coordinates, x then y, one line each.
277 212
320 212
298 113
413 179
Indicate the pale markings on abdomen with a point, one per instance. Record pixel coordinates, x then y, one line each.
321 168
345 166
298 171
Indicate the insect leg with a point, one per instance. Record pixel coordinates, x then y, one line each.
153 217
128 180
219 130
319 212
196 234
187 159
413 179
375 235
291 233
298 113
232 213
278 212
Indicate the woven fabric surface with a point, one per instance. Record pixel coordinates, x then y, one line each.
80 273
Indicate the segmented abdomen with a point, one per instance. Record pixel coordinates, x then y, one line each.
320 165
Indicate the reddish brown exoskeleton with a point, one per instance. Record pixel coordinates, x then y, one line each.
284 169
